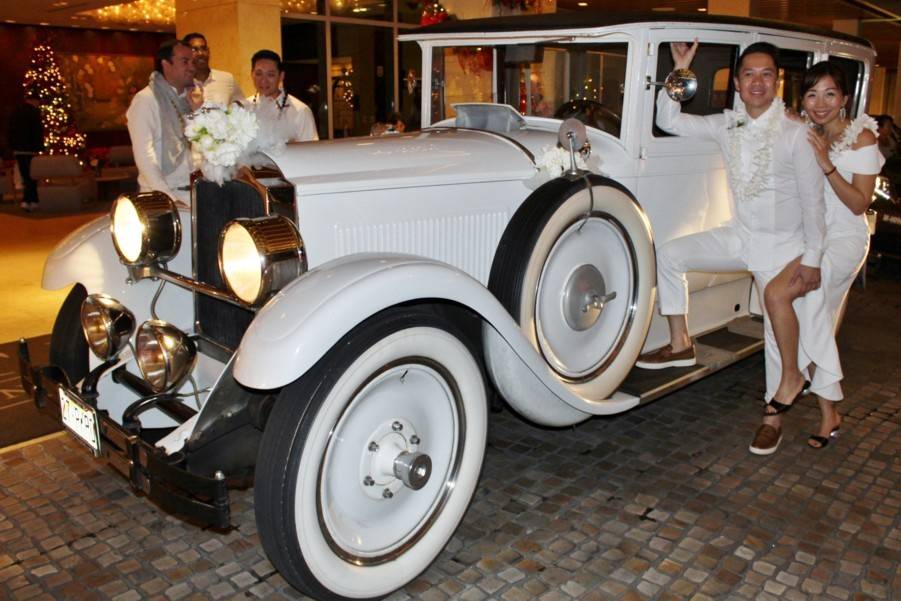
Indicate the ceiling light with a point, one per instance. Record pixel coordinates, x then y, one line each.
583 4
702 10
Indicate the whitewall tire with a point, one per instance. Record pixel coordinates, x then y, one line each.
369 461
576 268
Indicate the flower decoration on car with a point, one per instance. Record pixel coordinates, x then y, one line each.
220 136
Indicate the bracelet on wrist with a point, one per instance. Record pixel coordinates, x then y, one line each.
830 172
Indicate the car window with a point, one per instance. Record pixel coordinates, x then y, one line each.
792 66
584 81
460 74
713 64
854 72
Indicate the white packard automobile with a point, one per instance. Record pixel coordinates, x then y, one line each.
327 324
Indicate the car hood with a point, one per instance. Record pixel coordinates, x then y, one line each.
429 157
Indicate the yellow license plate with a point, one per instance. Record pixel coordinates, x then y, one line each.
80 419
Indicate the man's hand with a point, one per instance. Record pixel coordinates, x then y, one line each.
809 278
195 97
683 54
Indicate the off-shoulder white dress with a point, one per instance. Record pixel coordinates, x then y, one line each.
847 241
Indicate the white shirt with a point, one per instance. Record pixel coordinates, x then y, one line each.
220 87
281 120
786 219
143 117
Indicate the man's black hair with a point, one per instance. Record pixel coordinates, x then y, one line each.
821 70
193 35
266 55
164 53
761 48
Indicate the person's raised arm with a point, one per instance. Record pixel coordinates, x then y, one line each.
670 117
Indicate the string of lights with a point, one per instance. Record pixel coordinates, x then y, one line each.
44 82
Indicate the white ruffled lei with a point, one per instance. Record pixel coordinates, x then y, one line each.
851 133
748 184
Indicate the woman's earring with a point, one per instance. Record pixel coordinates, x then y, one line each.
841 113
806 117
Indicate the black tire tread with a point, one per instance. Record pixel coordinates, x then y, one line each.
68 348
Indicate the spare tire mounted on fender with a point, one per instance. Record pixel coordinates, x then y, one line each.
576 268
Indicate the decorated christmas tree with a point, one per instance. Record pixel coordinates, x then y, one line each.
44 82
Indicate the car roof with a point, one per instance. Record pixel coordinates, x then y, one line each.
592 19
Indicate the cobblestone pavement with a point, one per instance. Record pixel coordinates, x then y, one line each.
664 502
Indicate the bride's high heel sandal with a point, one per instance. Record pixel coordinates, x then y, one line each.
822 441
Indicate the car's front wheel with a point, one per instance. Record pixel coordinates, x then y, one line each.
369 461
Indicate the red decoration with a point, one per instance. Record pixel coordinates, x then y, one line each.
433 13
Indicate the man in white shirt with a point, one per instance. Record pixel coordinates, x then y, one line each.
777 207
156 123
218 86
282 117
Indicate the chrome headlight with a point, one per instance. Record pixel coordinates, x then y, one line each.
257 257
107 325
165 354
146 228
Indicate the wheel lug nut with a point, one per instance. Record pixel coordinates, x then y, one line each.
414 439
387 494
373 446
368 481
397 426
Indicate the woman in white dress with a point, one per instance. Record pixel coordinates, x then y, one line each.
847 153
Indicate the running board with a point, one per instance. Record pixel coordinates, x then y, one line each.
720 348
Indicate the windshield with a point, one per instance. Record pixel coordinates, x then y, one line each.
584 81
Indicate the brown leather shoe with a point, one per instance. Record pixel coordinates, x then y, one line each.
766 440
665 357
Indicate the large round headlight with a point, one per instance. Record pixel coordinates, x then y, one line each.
146 228
257 257
165 354
107 325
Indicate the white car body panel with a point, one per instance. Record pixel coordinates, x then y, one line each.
311 314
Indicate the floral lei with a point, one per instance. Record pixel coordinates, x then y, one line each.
746 189
851 133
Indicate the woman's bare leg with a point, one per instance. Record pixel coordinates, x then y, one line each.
829 418
778 296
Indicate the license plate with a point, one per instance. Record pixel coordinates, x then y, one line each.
80 419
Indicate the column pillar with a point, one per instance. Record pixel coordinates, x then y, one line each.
735 8
234 30
876 103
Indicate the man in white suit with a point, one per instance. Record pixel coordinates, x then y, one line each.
777 207
218 86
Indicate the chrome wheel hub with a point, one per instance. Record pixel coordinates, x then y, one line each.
584 297
391 460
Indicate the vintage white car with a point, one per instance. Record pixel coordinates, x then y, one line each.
329 324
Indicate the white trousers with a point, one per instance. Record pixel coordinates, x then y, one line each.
717 250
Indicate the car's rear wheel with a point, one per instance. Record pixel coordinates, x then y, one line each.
576 269
369 461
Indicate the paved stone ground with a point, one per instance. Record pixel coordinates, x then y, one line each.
664 502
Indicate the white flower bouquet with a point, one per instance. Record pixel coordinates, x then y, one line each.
219 138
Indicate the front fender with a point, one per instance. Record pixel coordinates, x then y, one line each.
87 256
297 327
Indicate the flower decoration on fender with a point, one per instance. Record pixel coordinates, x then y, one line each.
555 161
220 136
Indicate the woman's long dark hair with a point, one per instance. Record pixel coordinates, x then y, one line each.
821 70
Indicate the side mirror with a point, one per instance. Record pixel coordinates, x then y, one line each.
680 85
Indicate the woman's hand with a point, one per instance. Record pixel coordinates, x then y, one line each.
820 150
683 54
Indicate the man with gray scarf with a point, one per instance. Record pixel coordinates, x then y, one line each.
156 123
